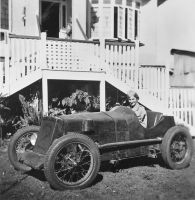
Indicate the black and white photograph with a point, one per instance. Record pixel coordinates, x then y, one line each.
97 99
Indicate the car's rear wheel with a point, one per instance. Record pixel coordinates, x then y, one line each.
177 147
22 140
72 162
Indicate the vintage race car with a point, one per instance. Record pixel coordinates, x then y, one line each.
70 148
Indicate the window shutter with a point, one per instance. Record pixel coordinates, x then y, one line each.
120 22
107 22
130 24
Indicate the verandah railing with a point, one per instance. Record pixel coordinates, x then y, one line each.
182 104
120 60
28 55
121 63
31 54
73 55
154 80
25 54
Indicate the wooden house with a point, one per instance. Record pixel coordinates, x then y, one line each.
184 68
85 43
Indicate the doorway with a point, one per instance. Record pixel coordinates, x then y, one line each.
50 18
53 17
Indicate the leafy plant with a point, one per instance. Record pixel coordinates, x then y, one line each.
30 115
79 101
3 115
3 108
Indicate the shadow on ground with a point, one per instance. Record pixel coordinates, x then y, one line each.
38 174
130 163
110 167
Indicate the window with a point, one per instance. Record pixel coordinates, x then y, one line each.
2 69
106 21
94 1
106 1
50 21
136 24
130 24
64 18
137 5
120 22
126 18
129 3
120 19
4 15
115 22
94 22
2 36
118 2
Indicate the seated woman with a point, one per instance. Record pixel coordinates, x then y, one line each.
137 108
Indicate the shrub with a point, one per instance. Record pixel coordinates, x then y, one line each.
31 116
4 110
79 101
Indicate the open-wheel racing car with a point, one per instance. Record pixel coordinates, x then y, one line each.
70 148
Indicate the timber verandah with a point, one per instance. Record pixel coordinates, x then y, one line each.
28 59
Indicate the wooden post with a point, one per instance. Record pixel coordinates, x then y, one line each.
42 51
1 135
43 65
102 57
101 34
44 94
133 21
102 95
166 88
7 74
136 64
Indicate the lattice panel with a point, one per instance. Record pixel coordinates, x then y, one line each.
74 56
59 55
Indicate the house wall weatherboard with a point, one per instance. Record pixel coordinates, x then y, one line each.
24 17
164 27
183 68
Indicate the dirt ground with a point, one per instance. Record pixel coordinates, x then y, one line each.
140 178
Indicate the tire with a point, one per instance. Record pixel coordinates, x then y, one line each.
20 142
72 162
177 147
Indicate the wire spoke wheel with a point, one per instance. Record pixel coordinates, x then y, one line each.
178 148
24 139
73 163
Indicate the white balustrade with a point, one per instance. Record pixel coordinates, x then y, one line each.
152 80
182 104
25 53
72 55
31 54
120 61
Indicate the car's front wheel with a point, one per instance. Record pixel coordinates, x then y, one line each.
177 147
72 162
21 141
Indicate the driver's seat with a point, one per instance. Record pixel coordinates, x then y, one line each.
153 118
